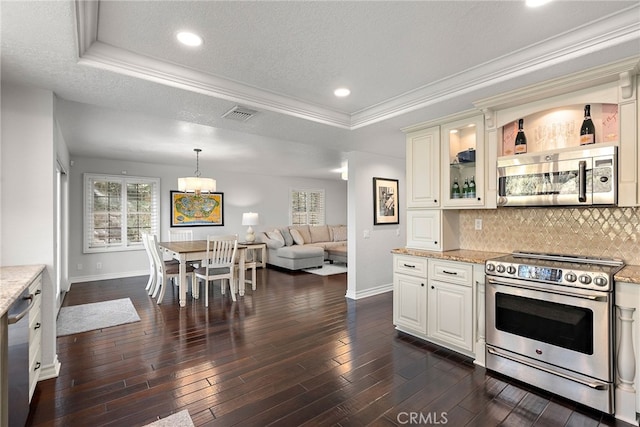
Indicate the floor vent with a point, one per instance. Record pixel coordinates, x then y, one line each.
239 114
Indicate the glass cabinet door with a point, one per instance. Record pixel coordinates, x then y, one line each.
463 172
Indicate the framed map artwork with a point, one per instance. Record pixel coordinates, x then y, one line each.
191 210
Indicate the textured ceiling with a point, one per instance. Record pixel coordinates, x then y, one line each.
128 91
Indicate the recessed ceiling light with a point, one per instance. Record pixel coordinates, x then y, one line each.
341 92
189 39
536 3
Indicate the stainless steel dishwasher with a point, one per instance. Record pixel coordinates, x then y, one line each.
18 359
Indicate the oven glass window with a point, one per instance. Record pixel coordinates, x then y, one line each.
557 324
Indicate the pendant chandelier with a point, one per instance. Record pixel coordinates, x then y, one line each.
196 184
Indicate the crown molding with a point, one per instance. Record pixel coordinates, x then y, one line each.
570 83
107 57
589 39
586 40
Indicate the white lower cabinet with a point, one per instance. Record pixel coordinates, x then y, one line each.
410 294
450 317
434 300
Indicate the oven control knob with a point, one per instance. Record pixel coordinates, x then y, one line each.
511 269
584 279
500 268
570 277
600 281
491 267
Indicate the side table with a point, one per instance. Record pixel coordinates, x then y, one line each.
254 246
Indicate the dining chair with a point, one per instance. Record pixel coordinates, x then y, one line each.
219 264
153 277
165 271
180 235
248 265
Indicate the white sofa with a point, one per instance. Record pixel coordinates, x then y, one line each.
303 246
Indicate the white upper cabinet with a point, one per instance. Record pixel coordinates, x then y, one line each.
423 168
463 163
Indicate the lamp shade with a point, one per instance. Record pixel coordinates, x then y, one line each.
249 218
195 184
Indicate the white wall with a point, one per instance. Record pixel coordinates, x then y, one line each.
28 197
370 261
266 195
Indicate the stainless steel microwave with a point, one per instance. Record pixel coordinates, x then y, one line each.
583 176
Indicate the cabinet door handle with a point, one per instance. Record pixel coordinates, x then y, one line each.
37 326
435 242
38 292
409 265
422 284
453 273
433 287
435 201
37 366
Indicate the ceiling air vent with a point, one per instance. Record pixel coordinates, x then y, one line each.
239 114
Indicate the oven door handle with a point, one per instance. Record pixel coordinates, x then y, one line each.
550 291
594 385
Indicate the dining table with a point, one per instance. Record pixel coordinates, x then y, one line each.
196 250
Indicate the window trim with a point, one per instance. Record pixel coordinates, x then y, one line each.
88 210
308 190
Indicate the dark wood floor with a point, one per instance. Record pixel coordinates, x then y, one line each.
294 352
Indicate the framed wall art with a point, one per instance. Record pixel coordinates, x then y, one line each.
385 201
194 210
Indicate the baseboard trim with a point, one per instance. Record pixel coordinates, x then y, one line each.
108 276
50 371
369 292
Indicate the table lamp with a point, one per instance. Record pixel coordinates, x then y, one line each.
250 218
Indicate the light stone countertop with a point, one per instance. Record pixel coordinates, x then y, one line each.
14 280
629 274
462 255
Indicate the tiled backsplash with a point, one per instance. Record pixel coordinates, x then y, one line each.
602 232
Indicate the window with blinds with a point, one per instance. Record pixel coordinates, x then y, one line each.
307 207
118 209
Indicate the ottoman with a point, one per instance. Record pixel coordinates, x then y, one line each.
297 257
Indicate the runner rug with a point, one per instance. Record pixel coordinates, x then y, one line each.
87 317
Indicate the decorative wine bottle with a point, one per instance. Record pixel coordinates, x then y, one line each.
521 139
455 191
472 188
588 130
465 188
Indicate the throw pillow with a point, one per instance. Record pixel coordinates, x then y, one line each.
339 234
288 240
276 235
272 243
304 232
297 237
319 233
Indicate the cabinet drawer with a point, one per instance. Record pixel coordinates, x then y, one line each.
413 266
451 272
35 324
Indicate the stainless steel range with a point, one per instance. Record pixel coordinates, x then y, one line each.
550 323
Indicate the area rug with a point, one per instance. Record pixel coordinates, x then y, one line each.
98 315
179 419
328 269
